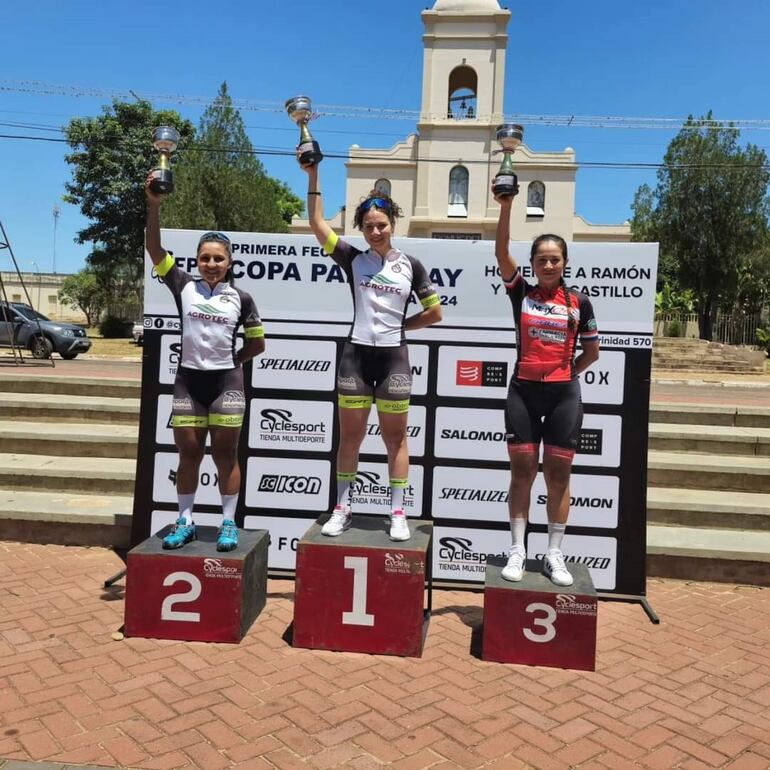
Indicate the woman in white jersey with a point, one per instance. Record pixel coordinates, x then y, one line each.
208 390
375 359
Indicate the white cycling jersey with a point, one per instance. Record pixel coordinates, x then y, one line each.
381 288
210 318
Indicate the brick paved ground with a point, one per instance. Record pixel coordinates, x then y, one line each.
691 693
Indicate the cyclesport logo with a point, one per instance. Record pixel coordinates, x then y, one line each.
216 568
569 604
398 563
458 554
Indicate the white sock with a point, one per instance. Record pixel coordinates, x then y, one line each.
186 507
397 497
229 504
555 536
344 482
518 530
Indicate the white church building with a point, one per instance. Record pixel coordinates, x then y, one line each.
441 175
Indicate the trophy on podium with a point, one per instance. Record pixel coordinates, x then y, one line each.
300 112
164 139
506 183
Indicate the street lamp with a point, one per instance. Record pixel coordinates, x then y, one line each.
56 214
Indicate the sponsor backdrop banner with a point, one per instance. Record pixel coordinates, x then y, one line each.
459 467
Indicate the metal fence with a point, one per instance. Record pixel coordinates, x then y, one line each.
729 329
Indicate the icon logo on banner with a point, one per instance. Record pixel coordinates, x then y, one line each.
567 604
369 489
217 569
485 373
590 441
457 554
302 485
277 425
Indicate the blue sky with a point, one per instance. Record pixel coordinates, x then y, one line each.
603 58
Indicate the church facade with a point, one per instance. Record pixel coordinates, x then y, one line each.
441 175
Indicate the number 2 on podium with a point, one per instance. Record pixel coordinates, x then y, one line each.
358 616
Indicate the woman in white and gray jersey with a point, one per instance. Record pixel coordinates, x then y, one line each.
208 390
375 360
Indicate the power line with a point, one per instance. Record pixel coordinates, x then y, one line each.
344 155
383 113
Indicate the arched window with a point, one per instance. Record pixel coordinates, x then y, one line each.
458 192
461 97
536 199
382 186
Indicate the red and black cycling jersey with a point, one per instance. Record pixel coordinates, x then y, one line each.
545 343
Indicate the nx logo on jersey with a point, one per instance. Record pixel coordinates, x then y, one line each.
484 373
456 554
280 484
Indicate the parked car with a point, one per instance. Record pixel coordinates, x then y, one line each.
33 331
138 332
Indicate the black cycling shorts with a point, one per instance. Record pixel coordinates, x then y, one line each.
205 399
382 372
547 411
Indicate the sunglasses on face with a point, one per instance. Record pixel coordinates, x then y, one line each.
380 203
214 236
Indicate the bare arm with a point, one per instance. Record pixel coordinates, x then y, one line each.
505 261
251 349
589 355
315 209
152 228
427 317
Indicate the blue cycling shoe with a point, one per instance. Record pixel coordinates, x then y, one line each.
228 536
181 533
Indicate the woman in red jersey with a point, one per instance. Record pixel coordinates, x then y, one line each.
543 401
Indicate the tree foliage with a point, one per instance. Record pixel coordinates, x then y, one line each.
709 212
84 290
222 185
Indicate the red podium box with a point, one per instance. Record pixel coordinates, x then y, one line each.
362 592
537 623
196 593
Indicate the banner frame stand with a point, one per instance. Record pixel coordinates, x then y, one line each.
646 606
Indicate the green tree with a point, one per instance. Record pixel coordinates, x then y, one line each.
112 154
709 212
222 185
84 290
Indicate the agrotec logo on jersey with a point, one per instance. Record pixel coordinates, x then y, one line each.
205 312
381 283
481 373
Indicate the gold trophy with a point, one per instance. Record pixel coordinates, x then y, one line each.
164 139
300 112
506 182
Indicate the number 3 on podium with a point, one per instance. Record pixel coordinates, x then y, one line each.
546 623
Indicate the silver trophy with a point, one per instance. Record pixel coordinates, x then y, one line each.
300 112
506 182
164 139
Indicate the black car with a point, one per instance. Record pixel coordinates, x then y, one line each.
31 330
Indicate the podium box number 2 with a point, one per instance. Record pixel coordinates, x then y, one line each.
196 593
537 623
362 592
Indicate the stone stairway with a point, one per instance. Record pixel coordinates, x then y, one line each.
689 354
67 468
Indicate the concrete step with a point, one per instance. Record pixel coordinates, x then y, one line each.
83 440
66 518
21 382
708 508
714 555
694 413
95 475
703 471
710 439
51 407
